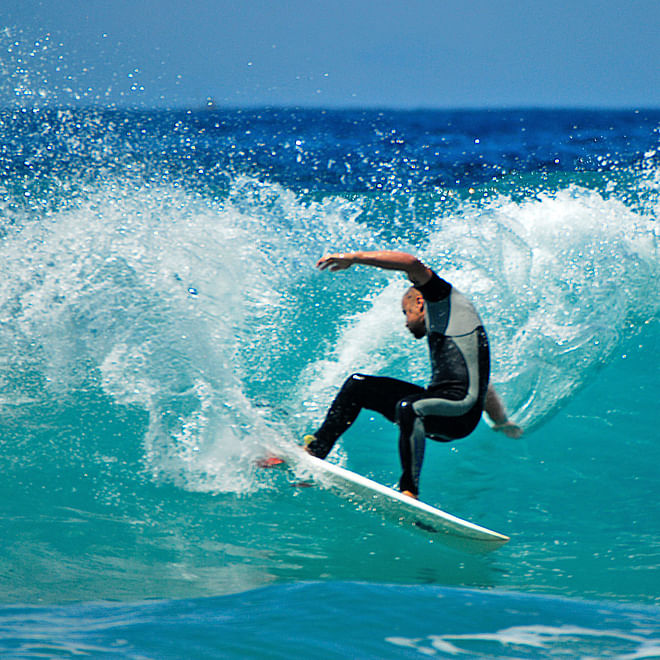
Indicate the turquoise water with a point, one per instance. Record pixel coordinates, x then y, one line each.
162 324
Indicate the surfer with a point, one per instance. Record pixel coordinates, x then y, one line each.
451 406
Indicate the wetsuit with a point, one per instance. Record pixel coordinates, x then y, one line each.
449 408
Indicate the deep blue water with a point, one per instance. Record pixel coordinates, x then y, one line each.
337 620
162 322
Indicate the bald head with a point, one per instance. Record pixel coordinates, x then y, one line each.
412 305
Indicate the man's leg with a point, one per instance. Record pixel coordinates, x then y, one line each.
413 431
412 442
360 391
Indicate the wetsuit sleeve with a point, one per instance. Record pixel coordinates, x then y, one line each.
435 289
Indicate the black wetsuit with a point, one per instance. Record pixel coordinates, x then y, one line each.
449 408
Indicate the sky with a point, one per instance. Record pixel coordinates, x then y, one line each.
331 53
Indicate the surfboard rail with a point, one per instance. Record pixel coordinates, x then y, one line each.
391 503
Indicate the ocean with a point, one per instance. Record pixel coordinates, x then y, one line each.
162 324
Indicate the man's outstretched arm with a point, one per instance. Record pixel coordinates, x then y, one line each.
495 410
417 272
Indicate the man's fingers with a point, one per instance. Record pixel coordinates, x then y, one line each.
509 429
333 262
324 261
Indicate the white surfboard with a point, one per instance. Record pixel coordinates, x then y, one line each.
392 504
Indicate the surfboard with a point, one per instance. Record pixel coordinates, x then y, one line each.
392 504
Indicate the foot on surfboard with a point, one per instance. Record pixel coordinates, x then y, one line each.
307 440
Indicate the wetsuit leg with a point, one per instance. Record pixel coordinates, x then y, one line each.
413 431
412 442
360 391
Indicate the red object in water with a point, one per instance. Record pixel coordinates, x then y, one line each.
270 461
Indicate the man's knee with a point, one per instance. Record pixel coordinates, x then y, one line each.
353 385
431 426
405 414
355 379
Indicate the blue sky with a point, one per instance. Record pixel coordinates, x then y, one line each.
336 53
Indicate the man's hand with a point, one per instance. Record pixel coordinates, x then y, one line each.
335 262
495 410
417 272
509 429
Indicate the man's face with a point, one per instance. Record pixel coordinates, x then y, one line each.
413 309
